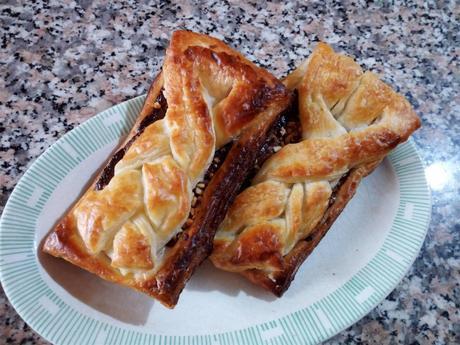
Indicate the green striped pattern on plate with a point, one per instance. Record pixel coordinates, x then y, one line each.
61 323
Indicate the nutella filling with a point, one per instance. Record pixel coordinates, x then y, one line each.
157 113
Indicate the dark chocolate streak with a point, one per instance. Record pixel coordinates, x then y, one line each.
109 169
286 130
195 243
275 137
223 189
220 154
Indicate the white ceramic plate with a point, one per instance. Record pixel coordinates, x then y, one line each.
358 263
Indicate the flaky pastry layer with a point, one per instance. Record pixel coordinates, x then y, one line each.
350 121
130 226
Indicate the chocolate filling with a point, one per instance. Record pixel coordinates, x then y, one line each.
219 158
158 112
286 130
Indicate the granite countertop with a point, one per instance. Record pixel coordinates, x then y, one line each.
63 62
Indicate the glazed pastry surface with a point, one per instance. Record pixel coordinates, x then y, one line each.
129 227
350 121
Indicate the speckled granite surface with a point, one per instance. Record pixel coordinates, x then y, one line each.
64 61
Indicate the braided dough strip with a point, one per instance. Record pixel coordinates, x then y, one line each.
129 226
350 121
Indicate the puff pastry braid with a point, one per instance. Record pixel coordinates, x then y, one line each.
349 120
140 224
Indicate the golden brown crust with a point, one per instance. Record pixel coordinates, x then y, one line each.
279 281
350 121
120 227
131 249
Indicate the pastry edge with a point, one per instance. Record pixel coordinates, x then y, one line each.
195 243
278 282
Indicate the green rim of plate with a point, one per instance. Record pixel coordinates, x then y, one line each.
61 323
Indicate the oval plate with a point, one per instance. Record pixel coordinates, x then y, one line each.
363 257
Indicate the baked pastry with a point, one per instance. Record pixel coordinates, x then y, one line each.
149 218
350 120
